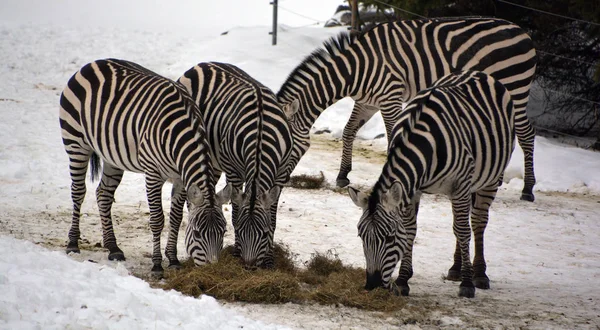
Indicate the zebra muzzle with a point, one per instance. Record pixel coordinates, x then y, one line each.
374 280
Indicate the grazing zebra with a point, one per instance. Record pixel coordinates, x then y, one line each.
135 120
250 141
455 138
389 64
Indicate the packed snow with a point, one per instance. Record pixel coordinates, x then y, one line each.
543 257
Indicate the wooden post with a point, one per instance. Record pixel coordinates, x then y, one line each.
274 32
354 20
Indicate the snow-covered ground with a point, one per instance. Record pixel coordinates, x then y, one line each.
543 257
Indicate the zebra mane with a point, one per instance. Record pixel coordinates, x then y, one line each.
334 46
409 117
403 128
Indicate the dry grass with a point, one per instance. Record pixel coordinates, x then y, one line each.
305 181
325 280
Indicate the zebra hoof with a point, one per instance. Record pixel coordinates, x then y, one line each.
72 248
116 256
466 292
453 275
157 272
482 282
342 182
527 197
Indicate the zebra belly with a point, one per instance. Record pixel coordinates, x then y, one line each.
117 153
131 166
444 186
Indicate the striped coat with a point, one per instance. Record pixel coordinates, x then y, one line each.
455 138
250 141
133 119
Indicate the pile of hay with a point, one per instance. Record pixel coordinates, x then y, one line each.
305 181
325 280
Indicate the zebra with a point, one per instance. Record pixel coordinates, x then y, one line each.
389 64
250 141
454 138
136 120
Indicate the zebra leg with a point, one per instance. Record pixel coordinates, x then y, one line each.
78 164
105 193
454 271
526 138
461 206
270 259
360 115
409 216
154 184
178 197
482 200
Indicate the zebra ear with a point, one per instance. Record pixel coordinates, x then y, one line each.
291 109
195 195
392 198
270 196
224 195
359 198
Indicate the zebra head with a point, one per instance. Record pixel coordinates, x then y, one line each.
206 226
382 233
253 227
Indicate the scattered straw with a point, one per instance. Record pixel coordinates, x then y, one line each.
305 181
325 280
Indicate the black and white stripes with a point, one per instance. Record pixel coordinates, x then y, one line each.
455 138
135 120
389 64
250 142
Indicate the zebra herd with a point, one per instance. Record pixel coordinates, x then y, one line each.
466 81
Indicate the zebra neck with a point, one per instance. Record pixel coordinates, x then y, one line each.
192 159
406 167
317 83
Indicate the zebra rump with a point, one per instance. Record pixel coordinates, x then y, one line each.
455 138
250 141
136 120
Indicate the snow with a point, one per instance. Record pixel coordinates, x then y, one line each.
543 257
91 295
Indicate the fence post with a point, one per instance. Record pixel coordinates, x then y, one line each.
274 32
354 20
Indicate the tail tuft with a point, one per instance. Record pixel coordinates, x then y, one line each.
95 167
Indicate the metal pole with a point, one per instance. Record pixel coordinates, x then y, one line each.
274 32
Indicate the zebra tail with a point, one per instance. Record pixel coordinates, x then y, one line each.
95 167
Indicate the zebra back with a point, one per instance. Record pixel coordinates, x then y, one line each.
250 141
465 117
390 63
247 130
